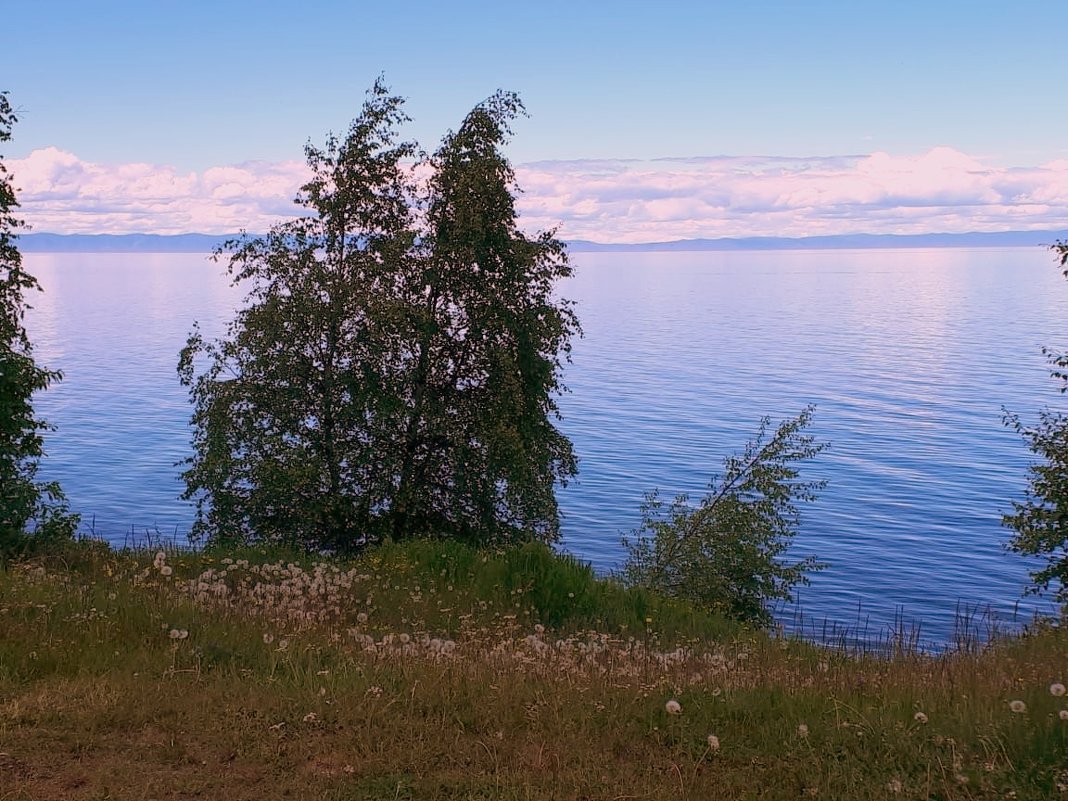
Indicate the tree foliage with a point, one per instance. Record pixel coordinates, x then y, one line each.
23 500
394 369
726 554
1041 520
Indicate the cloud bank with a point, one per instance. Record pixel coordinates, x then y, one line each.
940 191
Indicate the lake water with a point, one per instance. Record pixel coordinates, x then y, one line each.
909 356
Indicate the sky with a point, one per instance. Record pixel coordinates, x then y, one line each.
648 122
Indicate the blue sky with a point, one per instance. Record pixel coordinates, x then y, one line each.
193 86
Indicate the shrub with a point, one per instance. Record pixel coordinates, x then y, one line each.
725 554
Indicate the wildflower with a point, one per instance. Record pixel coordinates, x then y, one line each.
802 730
311 717
920 717
894 786
283 644
174 634
1056 689
673 707
1063 714
166 570
268 638
713 742
361 618
1017 706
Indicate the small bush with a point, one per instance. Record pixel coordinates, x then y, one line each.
725 554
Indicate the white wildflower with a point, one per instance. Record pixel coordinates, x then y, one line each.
1017 706
802 730
311 717
1056 689
268 638
1063 714
174 634
673 707
920 717
166 570
713 742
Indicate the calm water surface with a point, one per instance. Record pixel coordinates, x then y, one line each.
909 356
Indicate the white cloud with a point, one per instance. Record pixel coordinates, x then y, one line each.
942 190
59 193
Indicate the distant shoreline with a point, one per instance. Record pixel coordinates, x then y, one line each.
206 243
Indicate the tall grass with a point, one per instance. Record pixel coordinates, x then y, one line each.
431 670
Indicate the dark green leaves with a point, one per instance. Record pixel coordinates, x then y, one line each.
726 554
394 370
1041 520
22 499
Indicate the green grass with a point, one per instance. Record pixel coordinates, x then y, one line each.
431 670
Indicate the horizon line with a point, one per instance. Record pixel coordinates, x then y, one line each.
195 242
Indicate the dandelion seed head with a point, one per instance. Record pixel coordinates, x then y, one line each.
361 618
166 570
673 707
802 730
1017 706
713 742
268 638
311 717
920 717
1056 689
174 634
894 786
1063 714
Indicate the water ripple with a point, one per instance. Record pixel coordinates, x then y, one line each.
909 355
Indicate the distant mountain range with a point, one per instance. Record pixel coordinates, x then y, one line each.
206 243
841 241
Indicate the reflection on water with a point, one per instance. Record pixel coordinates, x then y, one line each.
909 355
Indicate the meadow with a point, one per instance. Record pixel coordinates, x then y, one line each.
431 670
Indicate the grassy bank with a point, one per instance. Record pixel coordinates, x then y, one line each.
433 671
